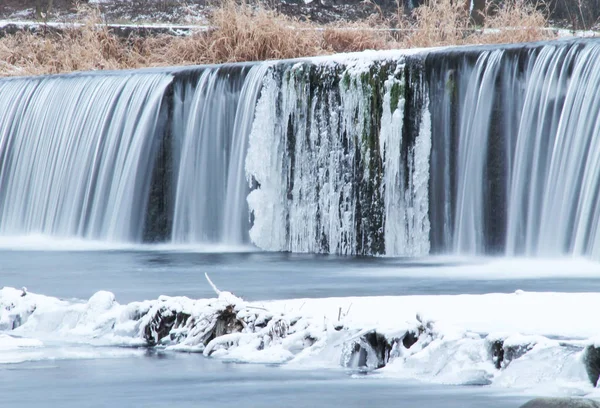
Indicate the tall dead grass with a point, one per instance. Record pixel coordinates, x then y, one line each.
438 23
448 22
243 32
516 21
88 47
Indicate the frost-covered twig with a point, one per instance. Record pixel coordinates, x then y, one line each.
212 285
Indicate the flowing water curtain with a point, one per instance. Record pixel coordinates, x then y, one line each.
474 129
554 207
76 152
516 159
210 144
443 86
236 222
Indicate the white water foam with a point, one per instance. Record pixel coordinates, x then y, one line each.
37 242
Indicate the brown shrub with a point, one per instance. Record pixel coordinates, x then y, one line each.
356 37
437 23
244 33
516 21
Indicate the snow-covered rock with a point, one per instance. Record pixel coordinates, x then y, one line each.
497 339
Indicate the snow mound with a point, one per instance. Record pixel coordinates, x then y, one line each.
501 340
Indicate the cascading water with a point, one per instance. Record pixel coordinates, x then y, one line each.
557 156
469 151
75 154
130 156
474 126
524 146
210 204
514 166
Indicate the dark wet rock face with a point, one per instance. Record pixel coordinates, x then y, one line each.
178 326
497 352
370 351
561 403
227 323
374 350
503 354
592 363
513 352
409 339
162 323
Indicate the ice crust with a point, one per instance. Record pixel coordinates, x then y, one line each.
313 150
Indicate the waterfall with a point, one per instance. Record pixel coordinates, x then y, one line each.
474 125
521 146
472 150
128 156
75 154
556 173
210 201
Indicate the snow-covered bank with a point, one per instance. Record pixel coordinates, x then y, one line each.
521 340
123 30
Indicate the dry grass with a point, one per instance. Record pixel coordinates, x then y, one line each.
90 47
447 22
243 33
438 23
516 21
248 33
355 37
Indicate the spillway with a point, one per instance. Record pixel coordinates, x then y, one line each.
470 150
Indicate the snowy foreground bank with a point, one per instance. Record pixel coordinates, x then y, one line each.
542 342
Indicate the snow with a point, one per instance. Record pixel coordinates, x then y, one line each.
9 343
547 314
176 28
453 347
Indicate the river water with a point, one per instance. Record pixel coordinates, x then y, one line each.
158 380
81 375
146 273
